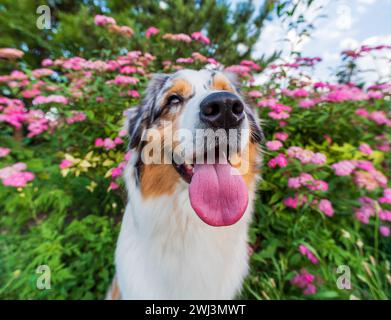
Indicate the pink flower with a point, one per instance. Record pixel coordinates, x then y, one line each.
305 281
320 85
128 70
251 64
184 60
65 164
280 161
294 183
282 136
385 215
101 20
326 207
300 92
108 144
344 168
319 185
306 156
318 158
365 165
38 73
366 210
307 103
15 176
50 99
19 179
177 37
133 93
273 145
386 196
278 115
113 185
77 116
362 112
99 142
27 94
310 289
255 94
367 180
307 180
380 117
282 123
385 231
365 148
4 152
117 171
375 95
118 140
200 37
47 62
123 80
243 71
122 133
151 31
293 202
122 30
308 253
10 53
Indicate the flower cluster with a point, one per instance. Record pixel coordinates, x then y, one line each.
305 281
111 25
307 156
16 176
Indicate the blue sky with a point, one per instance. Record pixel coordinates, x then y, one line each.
348 24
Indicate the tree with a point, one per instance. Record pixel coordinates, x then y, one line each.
234 29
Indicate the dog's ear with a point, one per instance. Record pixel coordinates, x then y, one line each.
141 116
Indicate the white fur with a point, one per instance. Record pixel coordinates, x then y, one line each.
165 251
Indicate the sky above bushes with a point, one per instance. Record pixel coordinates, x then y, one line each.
347 25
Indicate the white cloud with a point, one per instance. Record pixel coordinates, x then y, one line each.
369 2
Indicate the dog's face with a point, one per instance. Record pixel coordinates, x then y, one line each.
194 130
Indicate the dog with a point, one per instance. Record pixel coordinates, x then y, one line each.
184 231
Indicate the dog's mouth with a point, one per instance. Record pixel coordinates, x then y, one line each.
217 191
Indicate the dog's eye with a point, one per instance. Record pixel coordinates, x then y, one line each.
174 100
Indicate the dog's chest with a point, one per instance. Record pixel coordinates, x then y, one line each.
166 252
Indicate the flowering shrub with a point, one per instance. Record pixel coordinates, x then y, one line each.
323 202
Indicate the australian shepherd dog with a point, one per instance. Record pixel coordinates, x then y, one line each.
191 182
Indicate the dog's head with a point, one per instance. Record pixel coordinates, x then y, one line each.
194 131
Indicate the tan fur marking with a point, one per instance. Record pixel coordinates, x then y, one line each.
180 86
247 163
114 293
220 82
158 179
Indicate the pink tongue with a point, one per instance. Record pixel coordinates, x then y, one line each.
218 194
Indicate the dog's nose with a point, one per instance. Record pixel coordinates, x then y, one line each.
222 110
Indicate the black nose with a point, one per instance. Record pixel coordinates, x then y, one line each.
222 110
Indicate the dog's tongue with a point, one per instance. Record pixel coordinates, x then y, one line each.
218 194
